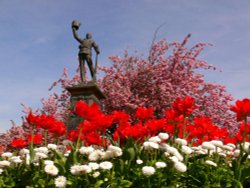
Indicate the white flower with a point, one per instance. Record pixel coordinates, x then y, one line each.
228 147
16 159
181 141
27 159
174 159
66 142
4 163
187 150
246 146
232 145
155 139
166 154
86 150
171 150
60 181
217 143
1 171
40 155
24 151
178 155
148 170
93 166
95 155
208 145
160 164
154 145
202 152
53 147
35 163
84 169
107 155
163 136
222 154
48 162
139 161
229 153
67 153
42 150
211 152
210 163
96 174
218 150
117 152
164 146
181 167
7 155
150 145
51 170
106 165
236 152
80 169
195 148
60 149
75 169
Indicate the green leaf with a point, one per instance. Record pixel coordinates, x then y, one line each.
228 184
71 160
216 184
69 182
194 179
245 173
120 167
237 184
244 158
98 184
41 183
197 158
129 154
125 183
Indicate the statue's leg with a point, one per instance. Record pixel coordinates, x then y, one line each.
90 65
82 69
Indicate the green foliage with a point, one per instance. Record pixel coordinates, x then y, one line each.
209 170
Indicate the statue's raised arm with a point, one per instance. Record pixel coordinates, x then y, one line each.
75 26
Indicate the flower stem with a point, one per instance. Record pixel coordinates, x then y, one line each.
245 131
32 154
79 139
45 137
149 184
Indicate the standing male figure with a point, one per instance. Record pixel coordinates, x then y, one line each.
85 51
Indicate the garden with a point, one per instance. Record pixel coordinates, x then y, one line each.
161 125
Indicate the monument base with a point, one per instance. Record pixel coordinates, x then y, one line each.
88 92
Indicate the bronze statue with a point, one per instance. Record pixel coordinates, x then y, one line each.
85 51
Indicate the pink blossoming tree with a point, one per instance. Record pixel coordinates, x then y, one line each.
169 72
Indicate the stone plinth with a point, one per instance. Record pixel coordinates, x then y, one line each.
88 92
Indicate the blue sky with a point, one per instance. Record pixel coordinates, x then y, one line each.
36 41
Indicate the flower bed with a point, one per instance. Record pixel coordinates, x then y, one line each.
116 150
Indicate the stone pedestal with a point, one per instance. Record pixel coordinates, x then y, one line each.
88 92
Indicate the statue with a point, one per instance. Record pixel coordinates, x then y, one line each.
85 52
